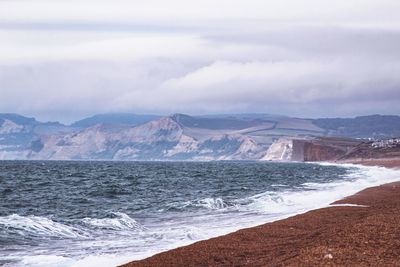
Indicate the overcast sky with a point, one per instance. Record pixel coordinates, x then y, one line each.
65 59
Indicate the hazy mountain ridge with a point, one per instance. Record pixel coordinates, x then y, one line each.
114 118
175 137
375 126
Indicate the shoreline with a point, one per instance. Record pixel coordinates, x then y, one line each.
387 163
367 234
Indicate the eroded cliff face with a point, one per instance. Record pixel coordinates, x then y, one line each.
318 152
280 150
344 149
324 149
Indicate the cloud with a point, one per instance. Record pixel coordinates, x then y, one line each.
276 86
178 10
68 58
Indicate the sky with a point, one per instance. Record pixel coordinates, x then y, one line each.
67 59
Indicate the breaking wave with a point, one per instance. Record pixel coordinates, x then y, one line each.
42 227
318 195
36 226
121 222
212 204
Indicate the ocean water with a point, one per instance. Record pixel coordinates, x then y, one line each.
59 213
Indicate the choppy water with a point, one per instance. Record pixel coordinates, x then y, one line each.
107 213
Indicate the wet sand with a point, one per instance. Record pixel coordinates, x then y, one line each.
367 235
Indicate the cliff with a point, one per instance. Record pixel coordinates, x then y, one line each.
325 149
332 149
345 149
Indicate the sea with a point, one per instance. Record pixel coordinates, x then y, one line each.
96 213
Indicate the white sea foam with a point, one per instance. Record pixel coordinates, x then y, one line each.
39 226
212 203
279 185
46 261
104 260
318 195
205 203
121 222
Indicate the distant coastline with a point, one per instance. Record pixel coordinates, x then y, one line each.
132 137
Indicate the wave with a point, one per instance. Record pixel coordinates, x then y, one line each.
318 195
211 203
311 195
121 222
36 226
42 227
205 203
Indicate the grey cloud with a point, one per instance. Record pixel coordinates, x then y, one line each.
100 26
321 41
312 69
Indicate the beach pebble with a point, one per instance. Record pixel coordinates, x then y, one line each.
328 256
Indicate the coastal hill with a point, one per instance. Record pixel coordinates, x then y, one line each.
114 119
375 126
180 136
